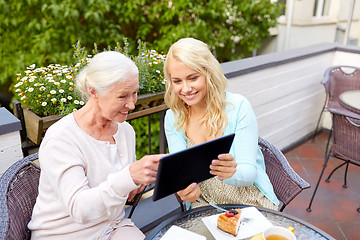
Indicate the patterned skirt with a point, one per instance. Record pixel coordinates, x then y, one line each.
218 192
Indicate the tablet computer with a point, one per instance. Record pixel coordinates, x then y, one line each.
178 170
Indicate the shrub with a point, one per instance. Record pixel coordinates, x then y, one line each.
51 90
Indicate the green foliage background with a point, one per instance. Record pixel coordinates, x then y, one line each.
140 126
42 32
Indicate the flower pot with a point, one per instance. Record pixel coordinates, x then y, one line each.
36 126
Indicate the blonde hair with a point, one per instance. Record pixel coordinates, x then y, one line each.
104 70
197 56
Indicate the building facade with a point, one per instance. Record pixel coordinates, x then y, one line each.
308 22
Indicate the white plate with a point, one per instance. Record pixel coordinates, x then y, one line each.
257 224
178 233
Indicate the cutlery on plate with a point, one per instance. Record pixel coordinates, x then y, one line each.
243 219
216 206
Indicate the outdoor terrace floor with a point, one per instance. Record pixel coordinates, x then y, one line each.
334 209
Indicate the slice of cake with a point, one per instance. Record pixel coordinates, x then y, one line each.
230 221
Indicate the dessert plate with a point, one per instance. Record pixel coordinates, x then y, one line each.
257 224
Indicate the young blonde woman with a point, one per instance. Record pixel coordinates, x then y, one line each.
202 110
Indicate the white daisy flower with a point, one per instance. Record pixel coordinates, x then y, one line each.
63 99
69 97
53 92
30 89
43 104
76 101
61 91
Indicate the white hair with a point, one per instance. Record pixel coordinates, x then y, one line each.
104 70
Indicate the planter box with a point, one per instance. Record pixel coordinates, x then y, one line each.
36 126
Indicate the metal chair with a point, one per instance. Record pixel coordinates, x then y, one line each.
338 79
344 145
286 182
18 192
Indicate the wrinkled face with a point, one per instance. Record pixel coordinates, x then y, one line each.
188 84
116 103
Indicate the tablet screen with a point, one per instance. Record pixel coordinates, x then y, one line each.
178 170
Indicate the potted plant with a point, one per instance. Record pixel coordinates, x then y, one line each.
49 93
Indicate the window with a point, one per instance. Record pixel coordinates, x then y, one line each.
322 8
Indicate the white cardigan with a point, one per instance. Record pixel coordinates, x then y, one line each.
81 192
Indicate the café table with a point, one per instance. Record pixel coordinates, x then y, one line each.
192 220
350 100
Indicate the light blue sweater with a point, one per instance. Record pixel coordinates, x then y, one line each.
250 161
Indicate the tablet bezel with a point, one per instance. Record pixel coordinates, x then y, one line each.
178 170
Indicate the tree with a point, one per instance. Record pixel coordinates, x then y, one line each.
43 31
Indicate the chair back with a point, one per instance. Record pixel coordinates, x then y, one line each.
339 79
346 137
286 182
18 192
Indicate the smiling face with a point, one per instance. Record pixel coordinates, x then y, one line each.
189 85
116 103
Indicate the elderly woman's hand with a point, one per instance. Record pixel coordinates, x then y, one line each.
144 170
190 194
224 167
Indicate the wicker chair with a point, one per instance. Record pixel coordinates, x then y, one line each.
19 189
337 81
286 182
344 145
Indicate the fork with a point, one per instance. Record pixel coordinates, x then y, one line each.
243 219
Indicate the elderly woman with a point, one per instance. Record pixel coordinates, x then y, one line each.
88 162
202 110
